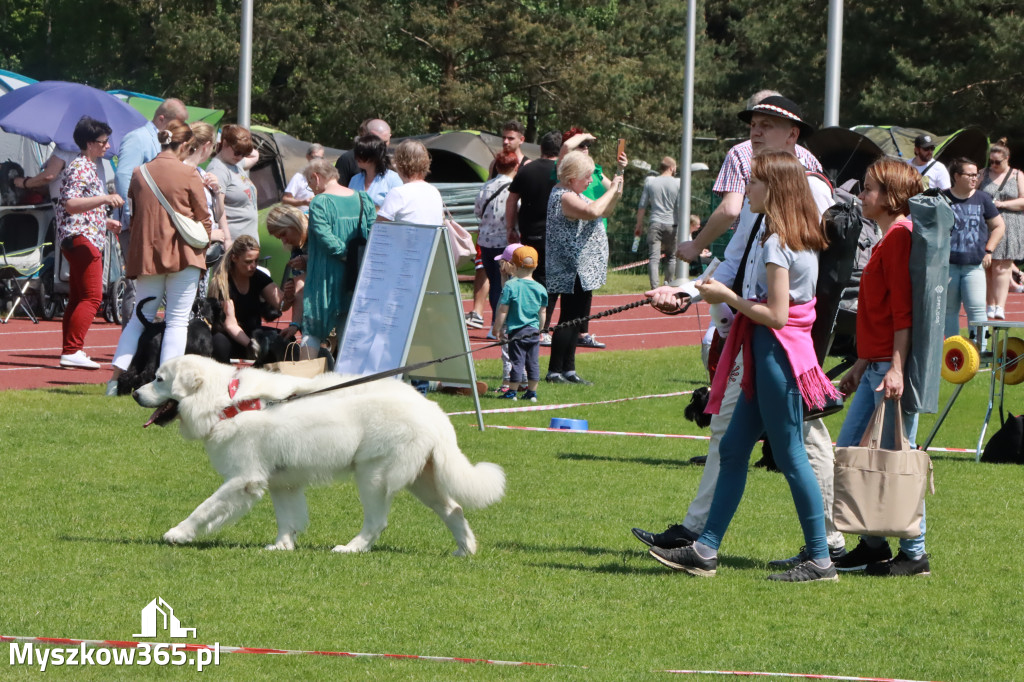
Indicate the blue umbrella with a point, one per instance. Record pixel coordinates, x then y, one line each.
48 111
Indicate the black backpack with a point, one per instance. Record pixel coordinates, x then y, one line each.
1006 446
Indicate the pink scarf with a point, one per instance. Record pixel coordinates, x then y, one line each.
795 338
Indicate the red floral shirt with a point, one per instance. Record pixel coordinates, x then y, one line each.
80 180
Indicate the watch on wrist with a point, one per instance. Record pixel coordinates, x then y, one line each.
988 251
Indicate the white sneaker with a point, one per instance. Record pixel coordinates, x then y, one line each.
999 313
78 360
990 312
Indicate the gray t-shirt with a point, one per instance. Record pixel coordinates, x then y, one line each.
660 193
802 266
239 198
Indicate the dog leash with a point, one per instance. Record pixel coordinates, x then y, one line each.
547 330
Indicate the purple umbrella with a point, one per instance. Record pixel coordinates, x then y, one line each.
48 111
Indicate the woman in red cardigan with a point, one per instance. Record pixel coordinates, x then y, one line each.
884 316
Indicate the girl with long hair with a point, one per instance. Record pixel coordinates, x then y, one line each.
781 369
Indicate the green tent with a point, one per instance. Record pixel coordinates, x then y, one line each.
147 104
898 141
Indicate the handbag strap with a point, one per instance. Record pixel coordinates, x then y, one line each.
156 190
872 437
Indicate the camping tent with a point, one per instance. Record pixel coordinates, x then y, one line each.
899 142
462 155
23 151
281 157
147 104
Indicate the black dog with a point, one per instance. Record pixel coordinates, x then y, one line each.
146 360
695 410
9 195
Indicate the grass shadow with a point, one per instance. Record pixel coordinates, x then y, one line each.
545 549
649 461
205 545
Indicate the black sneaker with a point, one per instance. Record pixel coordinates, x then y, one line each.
685 559
901 565
862 556
575 378
672 538
556 378
835 554
806 572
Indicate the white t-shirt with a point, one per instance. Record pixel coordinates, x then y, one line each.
415 202
937 174
299 188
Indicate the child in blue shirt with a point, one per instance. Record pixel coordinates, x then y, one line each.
522 300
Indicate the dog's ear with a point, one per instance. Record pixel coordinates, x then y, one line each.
186 381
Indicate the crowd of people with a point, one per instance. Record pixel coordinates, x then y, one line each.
543 237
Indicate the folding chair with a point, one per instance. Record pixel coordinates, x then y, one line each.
22 247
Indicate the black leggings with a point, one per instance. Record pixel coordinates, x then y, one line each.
564 340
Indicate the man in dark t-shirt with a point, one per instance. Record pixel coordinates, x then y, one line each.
526 210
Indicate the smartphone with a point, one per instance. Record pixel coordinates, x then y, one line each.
622 148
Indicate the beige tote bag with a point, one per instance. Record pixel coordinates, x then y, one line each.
881 492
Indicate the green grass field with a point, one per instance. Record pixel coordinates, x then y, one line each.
85 495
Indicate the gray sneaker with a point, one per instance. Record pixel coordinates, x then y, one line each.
806 572
686 559
834 553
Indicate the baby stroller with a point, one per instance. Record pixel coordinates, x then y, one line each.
55 288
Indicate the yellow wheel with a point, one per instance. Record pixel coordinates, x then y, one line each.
1014 361
960 360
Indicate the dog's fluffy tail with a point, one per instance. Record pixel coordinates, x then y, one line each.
472 486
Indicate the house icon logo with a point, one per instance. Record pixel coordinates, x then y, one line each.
159 609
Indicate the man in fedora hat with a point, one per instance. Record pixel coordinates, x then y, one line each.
731 182
775 124
934 171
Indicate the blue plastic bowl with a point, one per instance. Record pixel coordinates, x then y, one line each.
570 424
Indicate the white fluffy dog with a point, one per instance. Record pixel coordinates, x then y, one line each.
384 433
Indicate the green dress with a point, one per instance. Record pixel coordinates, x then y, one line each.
334 222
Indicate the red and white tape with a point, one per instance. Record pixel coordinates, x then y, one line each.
115 644
803 676
545 408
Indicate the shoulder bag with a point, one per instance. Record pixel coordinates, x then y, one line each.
192 231
460 241
881 492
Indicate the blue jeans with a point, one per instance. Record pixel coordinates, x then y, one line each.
778 408
967 284
858 417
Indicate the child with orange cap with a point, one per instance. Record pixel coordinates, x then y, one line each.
521 303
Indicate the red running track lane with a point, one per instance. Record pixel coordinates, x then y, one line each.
29 353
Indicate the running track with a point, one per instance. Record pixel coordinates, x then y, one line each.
29 353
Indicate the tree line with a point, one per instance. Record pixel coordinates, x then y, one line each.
614 67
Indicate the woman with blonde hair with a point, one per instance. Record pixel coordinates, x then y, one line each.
576 249
774 334
246 293
164 266
289 224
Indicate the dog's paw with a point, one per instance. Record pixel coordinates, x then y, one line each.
348 549
287 543
176 536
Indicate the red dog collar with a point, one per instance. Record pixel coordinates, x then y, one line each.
236 409
242 406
